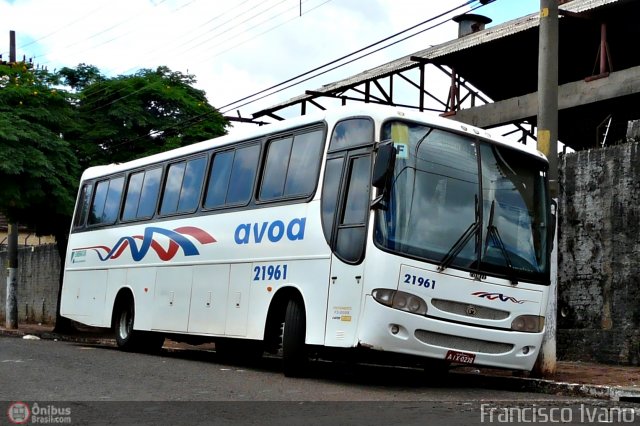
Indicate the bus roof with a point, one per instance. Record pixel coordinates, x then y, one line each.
377 112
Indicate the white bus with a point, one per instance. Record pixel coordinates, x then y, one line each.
372 228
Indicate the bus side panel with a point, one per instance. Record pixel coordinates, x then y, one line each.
238 300
207 314
83 296
141 282
172 297
309 276
116 280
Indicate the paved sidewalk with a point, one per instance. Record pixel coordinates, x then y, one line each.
617 383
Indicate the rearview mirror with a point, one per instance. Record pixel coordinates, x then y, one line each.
384 164
554 223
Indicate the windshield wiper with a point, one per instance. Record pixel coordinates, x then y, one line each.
457 247
494 236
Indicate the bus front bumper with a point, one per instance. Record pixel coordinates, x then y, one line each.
391 330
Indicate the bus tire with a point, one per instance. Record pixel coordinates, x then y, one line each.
294 350
129 339
123 326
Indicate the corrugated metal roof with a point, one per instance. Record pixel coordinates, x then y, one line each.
440 51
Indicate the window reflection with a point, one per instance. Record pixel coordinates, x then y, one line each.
435 196
350 133
292 166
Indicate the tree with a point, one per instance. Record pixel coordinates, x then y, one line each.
48 135
127 117
80 77
38 168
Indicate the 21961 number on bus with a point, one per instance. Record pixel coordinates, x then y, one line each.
270 273
419 281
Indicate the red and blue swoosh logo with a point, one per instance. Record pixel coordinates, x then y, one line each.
498 296
177 240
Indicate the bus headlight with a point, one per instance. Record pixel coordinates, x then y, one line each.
528 323
400 300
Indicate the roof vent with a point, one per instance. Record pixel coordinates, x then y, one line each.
469 23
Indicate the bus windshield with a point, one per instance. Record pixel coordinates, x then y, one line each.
451 190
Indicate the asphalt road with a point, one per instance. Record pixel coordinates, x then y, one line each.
102 385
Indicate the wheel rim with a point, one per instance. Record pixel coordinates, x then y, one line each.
126 324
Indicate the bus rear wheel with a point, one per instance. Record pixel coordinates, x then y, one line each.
129 339
294 350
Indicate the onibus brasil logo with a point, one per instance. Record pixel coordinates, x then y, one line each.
139 245
20 413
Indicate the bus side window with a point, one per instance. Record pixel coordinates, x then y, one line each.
150 192
132 197
232 177
304 164
243 175
350 133
83 206
330 189
172 187
219 179
183 186
352 227
142 194
292 165
275 169
192 185
106 202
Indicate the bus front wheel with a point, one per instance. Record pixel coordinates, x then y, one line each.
294 350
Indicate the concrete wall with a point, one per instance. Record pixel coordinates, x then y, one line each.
599 257
38 272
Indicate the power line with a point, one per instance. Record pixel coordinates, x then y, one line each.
266 31
67 25
104 30
350 54
273 17
336 67
243 22
209 21
173 46
185 123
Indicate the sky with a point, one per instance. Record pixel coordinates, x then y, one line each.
234 48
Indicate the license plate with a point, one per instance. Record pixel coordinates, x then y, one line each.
461 357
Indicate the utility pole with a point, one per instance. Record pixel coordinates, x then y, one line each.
12 240
12 47
12 278
548 145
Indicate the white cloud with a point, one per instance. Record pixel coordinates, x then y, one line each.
234 48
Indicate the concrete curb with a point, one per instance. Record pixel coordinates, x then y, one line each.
62 337
497 382
609 392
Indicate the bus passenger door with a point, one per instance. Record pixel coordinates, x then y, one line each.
345 211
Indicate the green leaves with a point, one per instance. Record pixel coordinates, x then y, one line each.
127 117
48 135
